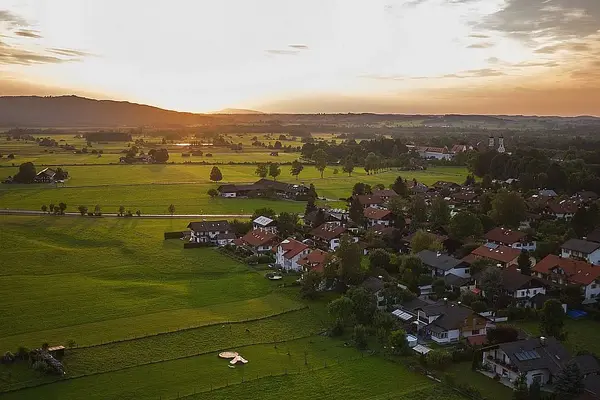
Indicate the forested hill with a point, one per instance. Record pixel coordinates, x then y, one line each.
73 111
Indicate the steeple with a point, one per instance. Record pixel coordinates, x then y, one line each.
501 148
491 142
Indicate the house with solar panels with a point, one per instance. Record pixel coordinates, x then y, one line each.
265 223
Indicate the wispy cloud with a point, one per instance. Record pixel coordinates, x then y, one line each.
12 19
479 36
277 52
299 46
28 33
476 73
567 46
69 53
481 45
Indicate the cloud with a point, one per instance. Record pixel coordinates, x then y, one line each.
572 47
28 34
69 52
476 73
13 55
12 19
479 36
299 46
283 52
482 45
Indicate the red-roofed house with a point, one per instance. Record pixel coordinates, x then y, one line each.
377 216
258 240
327 236
563 210
385 194
289 252
566 271
505 256
315 260
369 200
509 238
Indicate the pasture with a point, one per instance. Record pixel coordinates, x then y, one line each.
148 318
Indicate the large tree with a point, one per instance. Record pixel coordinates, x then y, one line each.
348 166
264 212
356 212
287 224
524 263
552 319
370 163
349 255
439 213
215 174
320 159
399 186
364 304
310 284
262 170
464 226
508 209
26 173
422 240
491 283
418 211
569 382
274 170
342 310
379 258
296 168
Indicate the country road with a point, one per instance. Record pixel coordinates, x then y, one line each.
114 215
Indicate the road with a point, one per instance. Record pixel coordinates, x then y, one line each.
114 215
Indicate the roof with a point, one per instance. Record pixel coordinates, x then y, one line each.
582 246
258 237
291 248
367 199
327 231
315 259
382 229
403 315
445 184
438 260
564 207
594 236
478 340
376 213
577 272
263 221
464 196
531 354
587 364
592 386
47 171
415 304
226 236
385 193
503 235
497 253
513 280
455 280
548 193
373 284
209 226
451 315
587 195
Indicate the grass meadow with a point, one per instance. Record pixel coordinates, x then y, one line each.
149 318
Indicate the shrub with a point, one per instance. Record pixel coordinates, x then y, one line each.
40 366
359 335
8 358
438 359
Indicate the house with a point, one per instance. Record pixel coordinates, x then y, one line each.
521 287
377 216
262 187
289 252
586 196
594 236
561 210
464 198
449 186
315 260
581 250
417 187
385 194
45 176
218 233
461 283
368 200
547 193
538 359
566 271
509 238
328 235
375 286
447 322
501 255
265 223
322 215
258 241
442 264
438 153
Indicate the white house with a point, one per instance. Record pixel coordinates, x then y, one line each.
581 249
328 235
442 264
265 223
258 241
215 232
521 287
377 216
289 252
509 238
565 271
538 359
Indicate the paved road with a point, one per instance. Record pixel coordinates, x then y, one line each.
113 215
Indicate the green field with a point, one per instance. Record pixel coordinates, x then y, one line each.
151 188
148 319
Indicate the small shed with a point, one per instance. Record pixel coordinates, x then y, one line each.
57 352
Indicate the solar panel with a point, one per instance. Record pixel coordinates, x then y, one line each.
527 355
402 315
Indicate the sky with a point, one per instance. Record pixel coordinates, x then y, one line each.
537 57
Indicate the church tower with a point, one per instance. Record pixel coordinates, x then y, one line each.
491 142
501 148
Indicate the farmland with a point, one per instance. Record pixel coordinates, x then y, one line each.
147 319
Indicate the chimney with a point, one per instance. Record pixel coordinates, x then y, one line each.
445 300
542 340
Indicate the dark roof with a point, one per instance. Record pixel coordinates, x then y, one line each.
258 237
327 231
506 236
592 386
438 260
226 236
373 284
587 364
582 246
513 280
531 354
376 213
209 226
452 315
594 236
367 199
415 303
385 193
47 172
455 280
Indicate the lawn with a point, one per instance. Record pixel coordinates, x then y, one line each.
151 188
492 390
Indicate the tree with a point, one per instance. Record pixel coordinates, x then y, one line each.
310 284
502 334
569 382
411 268
572 296
552 319
274 170
296 168
160 156
439 214
418 211
213 193
360 189
44 208
398 342
51 208
439 287
521 392
348 167
262 170
370 163
356 212
508 209
479 306
422 240
264 212
524 263
310 207
359 335
383 322
287 224
171 209
438 358
121 210
82 210
379 258
62 207
491 283
138 213
399 186
26 174
215 174
320 159
277 145
535 390
464 226
342 310
97 210
485 203
312 192
349 254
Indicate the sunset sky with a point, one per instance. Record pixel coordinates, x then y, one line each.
389 56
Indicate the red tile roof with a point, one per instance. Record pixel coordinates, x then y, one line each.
565 207
258 237
385 193
503 235
578 272
499 253
376 213
292 248
315 260
327 231
367 199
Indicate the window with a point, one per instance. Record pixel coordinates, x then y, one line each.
475 332
594 286
467 271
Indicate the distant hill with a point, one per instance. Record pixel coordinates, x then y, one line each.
238 111
73 111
